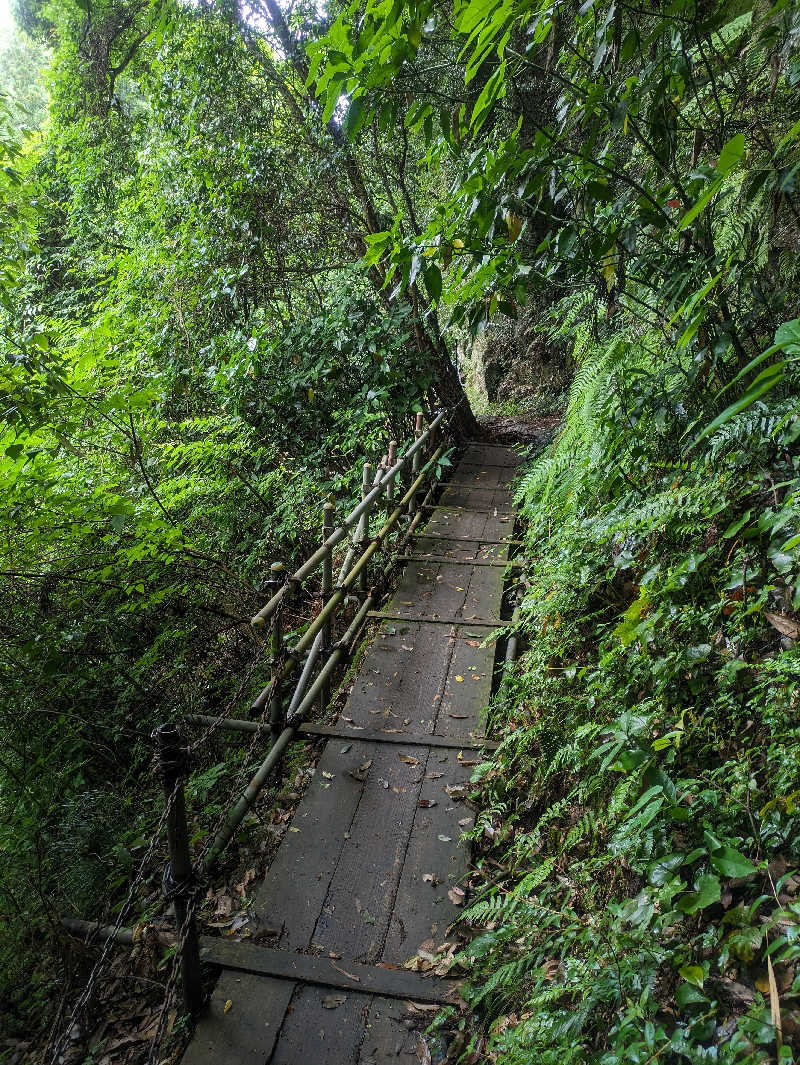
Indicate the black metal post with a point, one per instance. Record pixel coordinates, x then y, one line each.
178 881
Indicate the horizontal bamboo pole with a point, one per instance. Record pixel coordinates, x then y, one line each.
315 560
125 936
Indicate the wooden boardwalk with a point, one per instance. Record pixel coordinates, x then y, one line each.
348 884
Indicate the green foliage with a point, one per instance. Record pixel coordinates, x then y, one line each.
643 802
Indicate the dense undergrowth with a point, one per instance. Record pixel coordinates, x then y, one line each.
642 886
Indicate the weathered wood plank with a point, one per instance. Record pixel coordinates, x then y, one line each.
436 862
398 736
247 1033
326 971
464 623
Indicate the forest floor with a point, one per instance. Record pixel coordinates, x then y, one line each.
514 429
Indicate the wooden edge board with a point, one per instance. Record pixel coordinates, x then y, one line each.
474 484
464 623
467 539
324 971
457 561
409 739
494 512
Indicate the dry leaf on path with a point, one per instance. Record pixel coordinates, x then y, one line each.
331 1002
785 625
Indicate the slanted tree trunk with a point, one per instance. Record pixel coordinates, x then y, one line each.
430 343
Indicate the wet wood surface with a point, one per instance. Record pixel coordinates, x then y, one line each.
365 876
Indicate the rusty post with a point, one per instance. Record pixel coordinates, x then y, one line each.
178 881
327 588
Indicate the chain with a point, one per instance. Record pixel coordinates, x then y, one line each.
105 954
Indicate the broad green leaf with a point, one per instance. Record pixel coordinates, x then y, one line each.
730 862
693 974
731 155
708 892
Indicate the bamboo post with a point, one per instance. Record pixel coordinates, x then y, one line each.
172 767
415 461
363 527
276 722
327 588
390 460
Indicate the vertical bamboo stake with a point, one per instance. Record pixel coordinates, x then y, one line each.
391 458
276 722
363 525
327 588
415 461
172 767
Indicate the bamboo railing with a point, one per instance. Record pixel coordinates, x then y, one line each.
301 675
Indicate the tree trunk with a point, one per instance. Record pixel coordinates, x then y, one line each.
431 344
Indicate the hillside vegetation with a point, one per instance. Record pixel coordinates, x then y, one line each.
240 245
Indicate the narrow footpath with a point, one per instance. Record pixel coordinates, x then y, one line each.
361 880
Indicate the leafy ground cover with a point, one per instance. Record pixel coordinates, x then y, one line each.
640 824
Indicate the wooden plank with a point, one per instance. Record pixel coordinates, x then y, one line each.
393 1034
247 1033
457 561
405 669
464 623
327 972
358 906
433 866
494 511
476 483
293 893
323 1027
400 737
508 542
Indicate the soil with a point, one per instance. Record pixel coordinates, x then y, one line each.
512 429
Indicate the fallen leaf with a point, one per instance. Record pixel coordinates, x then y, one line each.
465 822
774 1006
331 1002
459 678
432 879
293 829
360 774
461 717
445 839
425 804
785 625
346 748
456 896
328 776
421 1008
408 759
227 1006
423 1053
